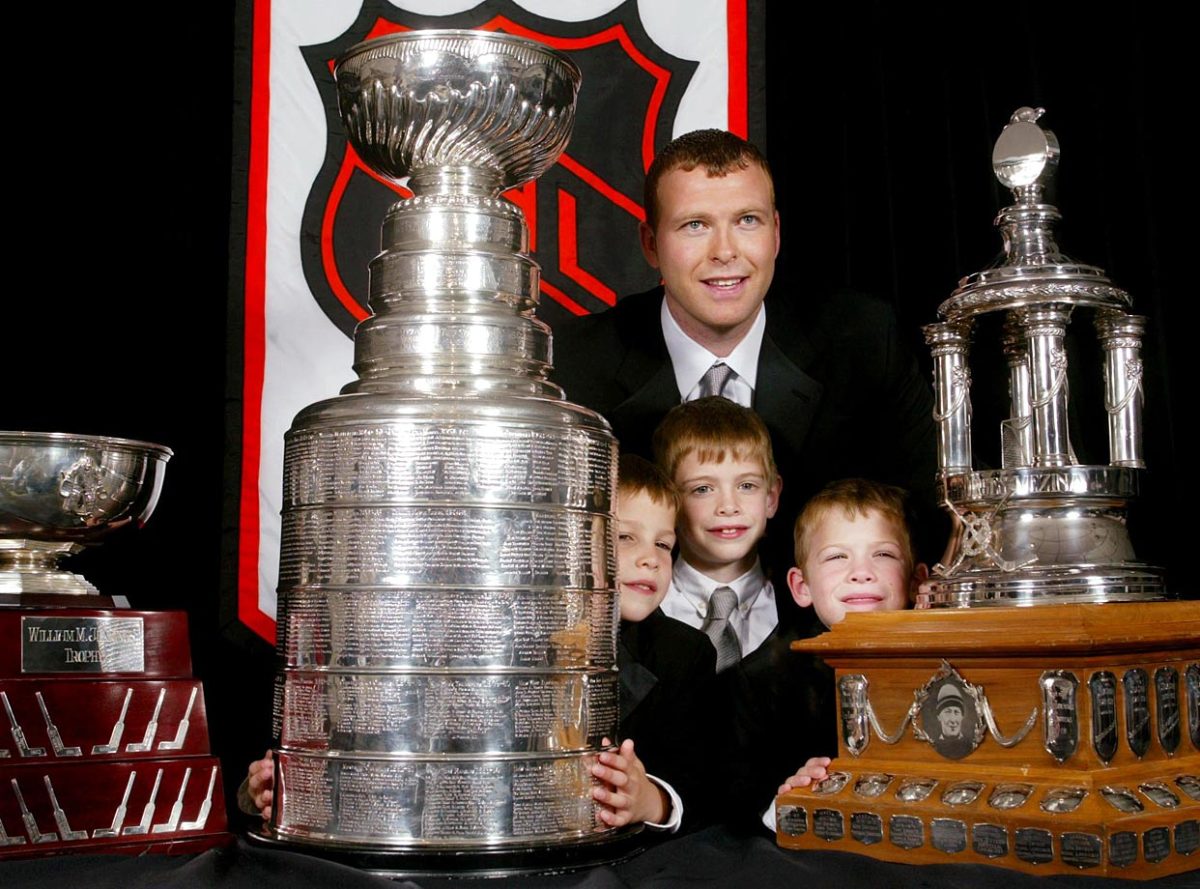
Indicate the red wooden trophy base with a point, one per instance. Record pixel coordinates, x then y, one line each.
1105 780
103 735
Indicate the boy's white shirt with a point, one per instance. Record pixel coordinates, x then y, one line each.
675 815
753 620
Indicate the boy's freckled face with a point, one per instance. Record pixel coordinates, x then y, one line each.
725 510
645 538
853 564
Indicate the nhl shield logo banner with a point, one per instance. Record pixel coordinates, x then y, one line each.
312 210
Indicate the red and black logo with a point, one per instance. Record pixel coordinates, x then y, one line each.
582 214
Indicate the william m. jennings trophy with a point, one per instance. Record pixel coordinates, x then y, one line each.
447 606
103 732
1058 738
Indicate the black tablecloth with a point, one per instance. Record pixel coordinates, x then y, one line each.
713 857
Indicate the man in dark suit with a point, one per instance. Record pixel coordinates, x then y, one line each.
839 393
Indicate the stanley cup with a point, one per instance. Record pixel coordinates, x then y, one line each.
448 613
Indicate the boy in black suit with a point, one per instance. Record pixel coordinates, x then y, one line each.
854 552
666 669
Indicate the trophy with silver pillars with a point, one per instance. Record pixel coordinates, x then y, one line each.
1042 528
447 617
1059 738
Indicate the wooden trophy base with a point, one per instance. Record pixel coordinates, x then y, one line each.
103 735
1055 739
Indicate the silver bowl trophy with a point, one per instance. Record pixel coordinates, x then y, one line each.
1051 739
60 493
109 747
447 605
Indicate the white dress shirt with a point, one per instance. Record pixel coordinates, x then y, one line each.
690 360
753 619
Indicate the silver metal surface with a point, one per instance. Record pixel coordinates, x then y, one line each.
1191 681
410 802
1160 794
1136 685
143 826
1122 799
18 734
913 790
948 835
449 711
962 793
118 820
60 816
56 741
447 606
60 493
31 827
1009 796
1190 785
1103 688
951 342
118 729
472 111
176 743
1060 711
831 784
147 742
1061 800
856 724
906 831
1042 529
873 785
1166 708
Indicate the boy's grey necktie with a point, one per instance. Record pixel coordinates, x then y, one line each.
717 627
715 379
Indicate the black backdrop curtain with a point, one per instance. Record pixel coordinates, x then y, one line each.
880 128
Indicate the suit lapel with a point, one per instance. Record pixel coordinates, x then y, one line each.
645 374
786 397
636 680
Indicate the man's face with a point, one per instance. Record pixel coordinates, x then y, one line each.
853 564
951 721
725 510
645 538
715 244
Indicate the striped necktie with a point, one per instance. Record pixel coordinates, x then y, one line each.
718 629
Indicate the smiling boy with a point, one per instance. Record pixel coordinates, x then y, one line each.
854 553
718 454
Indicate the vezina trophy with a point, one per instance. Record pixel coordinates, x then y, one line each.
1058 738
447 617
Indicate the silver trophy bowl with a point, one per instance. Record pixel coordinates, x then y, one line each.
447 605
480 107
62 492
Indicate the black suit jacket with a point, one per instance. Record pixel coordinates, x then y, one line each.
783 708
668 689
839 392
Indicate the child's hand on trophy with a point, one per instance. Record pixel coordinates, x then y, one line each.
261 784
816 769
629 796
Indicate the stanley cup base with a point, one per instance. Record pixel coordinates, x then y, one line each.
610 847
